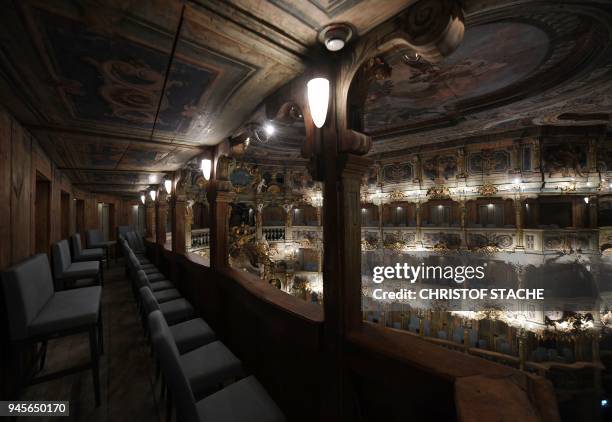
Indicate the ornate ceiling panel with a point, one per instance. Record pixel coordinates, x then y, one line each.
127 85
518 66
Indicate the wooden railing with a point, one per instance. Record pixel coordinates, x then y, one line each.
389 374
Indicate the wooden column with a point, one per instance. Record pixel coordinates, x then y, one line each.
179 213
220 208
161 217
149 218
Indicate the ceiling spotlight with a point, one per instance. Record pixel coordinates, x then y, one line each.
516 181
168 185
143 198
206 168
335 36
152 194
269 129
153 178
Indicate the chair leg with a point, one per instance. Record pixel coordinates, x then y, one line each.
169 407
43 355
107 257
95 368
100 333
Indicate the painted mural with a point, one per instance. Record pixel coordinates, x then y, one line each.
492 57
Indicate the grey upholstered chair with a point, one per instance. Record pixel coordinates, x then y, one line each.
95 239
73 274
243 401
188 335
36 313
79 254
174 311
150 270
163 293
135 242
207 366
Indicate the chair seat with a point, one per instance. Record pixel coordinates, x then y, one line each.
82 269
208 366
254 404
161 285
104 244
93 254
83 282
166 295
155 277
176 311
192 334
66 310
148 268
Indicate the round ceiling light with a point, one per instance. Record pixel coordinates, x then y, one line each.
335 36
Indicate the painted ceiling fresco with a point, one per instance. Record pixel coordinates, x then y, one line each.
518 67
112 85
421 91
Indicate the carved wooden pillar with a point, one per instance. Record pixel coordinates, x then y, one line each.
150 218
221 198
179 217
189 222
161 217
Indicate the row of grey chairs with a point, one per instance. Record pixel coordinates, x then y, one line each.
204 379
81 268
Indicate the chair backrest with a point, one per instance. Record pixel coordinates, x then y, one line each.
131 238
148 300
122 231
94 236
28 286
61 258
77 248
143 280
168 355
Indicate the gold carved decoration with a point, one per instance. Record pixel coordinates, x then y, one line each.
567 188
367 245
488 189
397 196
438 192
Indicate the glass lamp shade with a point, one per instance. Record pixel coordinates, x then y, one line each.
152 194
168 185
318 100
206 168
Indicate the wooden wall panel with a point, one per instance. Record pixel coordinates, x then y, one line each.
21 193
5 189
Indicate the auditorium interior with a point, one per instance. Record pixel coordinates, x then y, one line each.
195 194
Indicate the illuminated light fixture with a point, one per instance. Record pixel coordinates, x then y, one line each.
168 185
586 199
206 168
516 181
153 178
318 100
269 129
152 194
143 198
335 36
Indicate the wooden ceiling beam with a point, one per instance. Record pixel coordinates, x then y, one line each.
58 130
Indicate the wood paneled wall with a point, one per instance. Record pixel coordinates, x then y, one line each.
21 158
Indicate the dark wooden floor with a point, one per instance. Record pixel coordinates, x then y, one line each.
126 370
